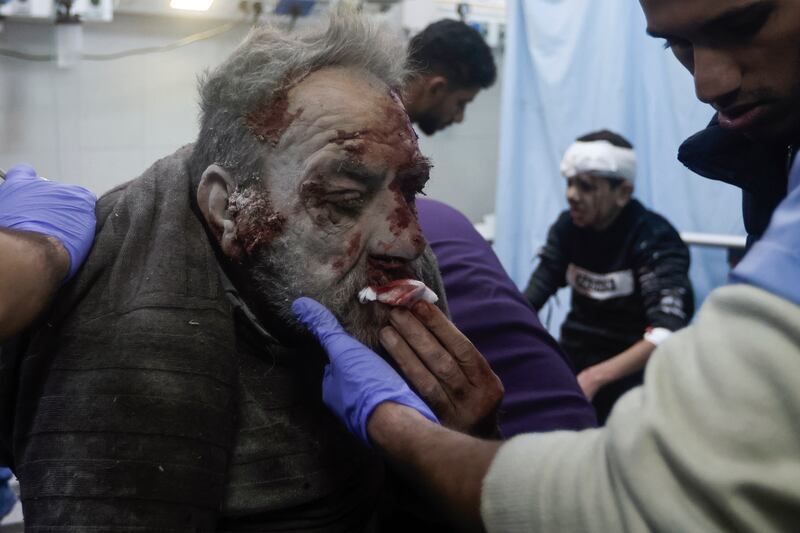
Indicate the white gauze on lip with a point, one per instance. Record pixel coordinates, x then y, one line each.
599 157
399 293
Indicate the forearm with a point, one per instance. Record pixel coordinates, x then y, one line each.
623 364
543 284
31 268
449 465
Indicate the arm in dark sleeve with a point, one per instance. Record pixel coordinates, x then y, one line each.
550 275
662 269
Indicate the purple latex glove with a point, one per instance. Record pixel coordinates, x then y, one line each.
66 212
357 379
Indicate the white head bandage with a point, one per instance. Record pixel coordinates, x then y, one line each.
601 158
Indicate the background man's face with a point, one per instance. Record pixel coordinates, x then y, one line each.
447 110
342 178
744 56
593 202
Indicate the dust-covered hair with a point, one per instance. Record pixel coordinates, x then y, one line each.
261 69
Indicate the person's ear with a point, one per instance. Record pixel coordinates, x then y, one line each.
213 194
625 193
436 86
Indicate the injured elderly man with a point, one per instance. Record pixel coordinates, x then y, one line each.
170 388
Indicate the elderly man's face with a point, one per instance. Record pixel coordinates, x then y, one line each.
744 56
337 210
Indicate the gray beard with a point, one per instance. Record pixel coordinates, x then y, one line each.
275 281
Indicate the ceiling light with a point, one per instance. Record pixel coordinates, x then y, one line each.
191 5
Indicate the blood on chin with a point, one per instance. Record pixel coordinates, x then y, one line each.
380 275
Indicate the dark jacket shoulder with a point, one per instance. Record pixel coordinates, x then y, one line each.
759 169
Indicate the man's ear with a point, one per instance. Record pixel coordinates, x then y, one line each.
436 86
625 193
213 194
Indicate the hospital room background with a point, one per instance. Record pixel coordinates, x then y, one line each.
95 103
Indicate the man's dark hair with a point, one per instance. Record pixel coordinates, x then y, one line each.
605 135
456 51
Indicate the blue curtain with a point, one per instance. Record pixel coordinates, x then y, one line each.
574 66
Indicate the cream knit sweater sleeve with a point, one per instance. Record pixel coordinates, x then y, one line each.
711 442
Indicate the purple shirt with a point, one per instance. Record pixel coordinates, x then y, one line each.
541 392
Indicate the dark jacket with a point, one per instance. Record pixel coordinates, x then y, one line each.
625 279
759 169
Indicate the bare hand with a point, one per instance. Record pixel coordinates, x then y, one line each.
445 368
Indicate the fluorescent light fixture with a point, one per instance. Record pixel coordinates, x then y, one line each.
191 5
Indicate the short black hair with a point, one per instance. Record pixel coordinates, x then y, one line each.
606 135
456 51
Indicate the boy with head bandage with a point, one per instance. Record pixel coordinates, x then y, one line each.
626 265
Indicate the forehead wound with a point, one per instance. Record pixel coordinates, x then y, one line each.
393 126
268 123
385 123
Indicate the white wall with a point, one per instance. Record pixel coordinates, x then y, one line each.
103 123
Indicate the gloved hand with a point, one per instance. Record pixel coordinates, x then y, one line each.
66 212
357 379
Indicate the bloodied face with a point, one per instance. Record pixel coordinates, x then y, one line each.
336 209
595 201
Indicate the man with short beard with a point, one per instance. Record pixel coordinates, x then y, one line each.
451 64
170 387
